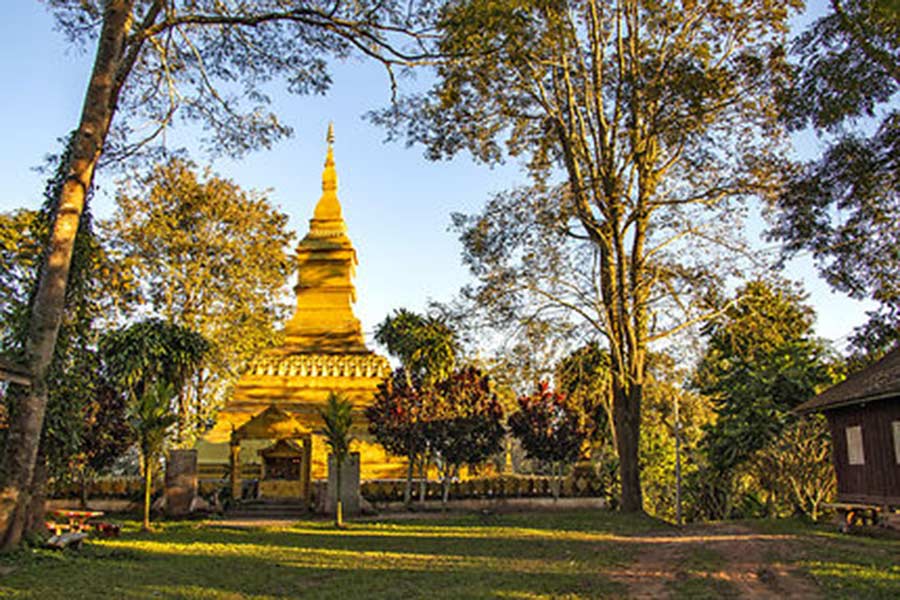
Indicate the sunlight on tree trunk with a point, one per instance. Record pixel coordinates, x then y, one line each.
25 429
407 490
148 489
339 505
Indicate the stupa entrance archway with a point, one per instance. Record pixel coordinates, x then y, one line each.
286 464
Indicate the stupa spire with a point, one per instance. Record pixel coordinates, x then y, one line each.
329 208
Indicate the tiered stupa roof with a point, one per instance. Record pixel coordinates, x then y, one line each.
323 350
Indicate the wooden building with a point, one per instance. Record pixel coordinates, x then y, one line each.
863 414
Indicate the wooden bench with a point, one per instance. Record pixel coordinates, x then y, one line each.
64 540
852 514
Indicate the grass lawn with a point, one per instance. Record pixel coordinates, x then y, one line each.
579 554
861 565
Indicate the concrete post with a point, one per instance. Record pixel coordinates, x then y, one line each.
349 485
180 482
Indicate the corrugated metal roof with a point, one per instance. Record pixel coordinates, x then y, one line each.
877 381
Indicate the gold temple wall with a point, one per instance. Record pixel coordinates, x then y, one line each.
324 351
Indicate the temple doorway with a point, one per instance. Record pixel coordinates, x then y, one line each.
286 464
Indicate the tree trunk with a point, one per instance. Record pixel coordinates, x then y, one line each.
445 495
83 492
423 478
407 491
182 418
25 430
338 507
628 410
36 515
148 488
556 470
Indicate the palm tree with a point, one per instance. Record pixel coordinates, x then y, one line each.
149 362
338 419
151 417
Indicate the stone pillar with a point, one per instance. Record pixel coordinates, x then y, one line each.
235 470
181 482
349 485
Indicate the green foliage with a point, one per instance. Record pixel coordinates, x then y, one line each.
150 418
207 256
337 418
641 128
845 205
796 468
151 352
425 345
665 388
22 233
583 376
215 62
761 361
73 381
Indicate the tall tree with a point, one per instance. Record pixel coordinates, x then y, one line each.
148 363
397 418
844 206
465 425
427 348
657 117
761 361
155 60
207 256
71 378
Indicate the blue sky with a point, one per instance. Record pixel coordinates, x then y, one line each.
396 203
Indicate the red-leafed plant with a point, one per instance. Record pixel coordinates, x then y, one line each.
549 430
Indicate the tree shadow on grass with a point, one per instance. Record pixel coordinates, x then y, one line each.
150 571
512 556
512 544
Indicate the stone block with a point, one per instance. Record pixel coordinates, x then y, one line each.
181 482
349 485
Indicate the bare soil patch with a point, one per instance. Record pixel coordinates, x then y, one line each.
727 559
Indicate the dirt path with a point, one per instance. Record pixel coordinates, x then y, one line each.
731 559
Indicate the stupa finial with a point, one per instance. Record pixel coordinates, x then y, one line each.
328 207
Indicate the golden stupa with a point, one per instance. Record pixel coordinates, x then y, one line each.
284 388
